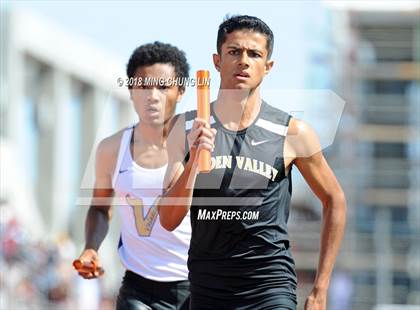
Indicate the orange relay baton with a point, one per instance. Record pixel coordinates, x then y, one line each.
203 111
87 267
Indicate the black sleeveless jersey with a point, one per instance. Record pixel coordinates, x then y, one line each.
239 245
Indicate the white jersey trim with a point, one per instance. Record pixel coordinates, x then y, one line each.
125 140
270 126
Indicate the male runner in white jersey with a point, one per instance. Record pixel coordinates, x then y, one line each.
132 164
239 255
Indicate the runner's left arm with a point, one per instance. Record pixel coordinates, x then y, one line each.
313 166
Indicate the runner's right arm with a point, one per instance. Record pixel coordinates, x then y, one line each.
179 181
100 211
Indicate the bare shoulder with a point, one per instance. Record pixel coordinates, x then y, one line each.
107 152
176 134
111 144
300 128
176 150
301 140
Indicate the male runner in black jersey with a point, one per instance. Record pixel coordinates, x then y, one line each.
239 255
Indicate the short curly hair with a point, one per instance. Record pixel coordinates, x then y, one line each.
158 52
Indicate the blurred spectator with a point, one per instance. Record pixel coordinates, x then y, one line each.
37 274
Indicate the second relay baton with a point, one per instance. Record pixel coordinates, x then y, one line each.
203 111
87 267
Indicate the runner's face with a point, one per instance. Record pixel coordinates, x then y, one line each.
243 60
155 102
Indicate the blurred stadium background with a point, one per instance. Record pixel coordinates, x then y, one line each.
58 98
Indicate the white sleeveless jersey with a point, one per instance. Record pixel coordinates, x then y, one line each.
145 247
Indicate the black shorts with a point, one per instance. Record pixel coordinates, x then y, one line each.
138 293
266 302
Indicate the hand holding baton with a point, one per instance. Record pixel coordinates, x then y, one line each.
203 111
87 267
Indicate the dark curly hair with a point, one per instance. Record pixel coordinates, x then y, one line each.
158 52
240 22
